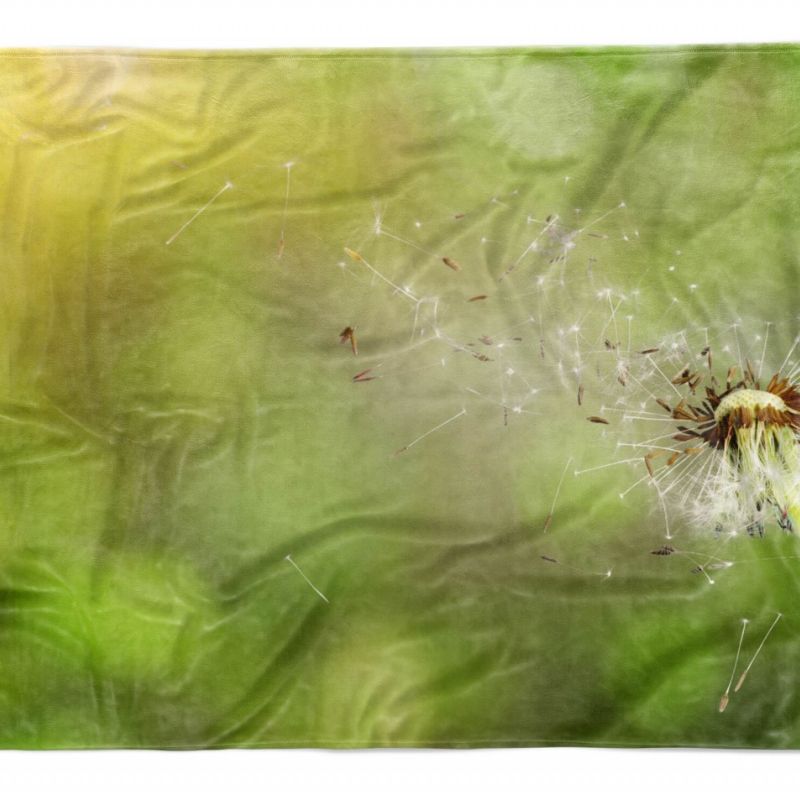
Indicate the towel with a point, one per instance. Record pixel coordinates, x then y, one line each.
436 398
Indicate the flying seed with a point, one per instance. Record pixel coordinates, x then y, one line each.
282 241
227 185
549 518
349 335
452 264
598 420
723 702
648 351
666 550
431 431
477 297
682 377
306 578
755 655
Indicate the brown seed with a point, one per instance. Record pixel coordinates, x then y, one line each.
580 395
682 377
665 405
648 351
666 550
476 297
364 376
682 411
349 335
598 420
452 264
550 559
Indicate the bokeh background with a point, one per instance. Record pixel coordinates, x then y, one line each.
176 419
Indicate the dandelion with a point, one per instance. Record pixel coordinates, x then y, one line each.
720 449
753 435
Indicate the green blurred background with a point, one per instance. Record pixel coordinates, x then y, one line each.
176 419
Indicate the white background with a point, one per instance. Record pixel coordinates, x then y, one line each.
383 775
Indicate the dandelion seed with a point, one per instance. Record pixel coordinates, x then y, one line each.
432 430
723 703
227 185
756 654
666 550
549 517
282 240
605 575
349 335
363 377
306 578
